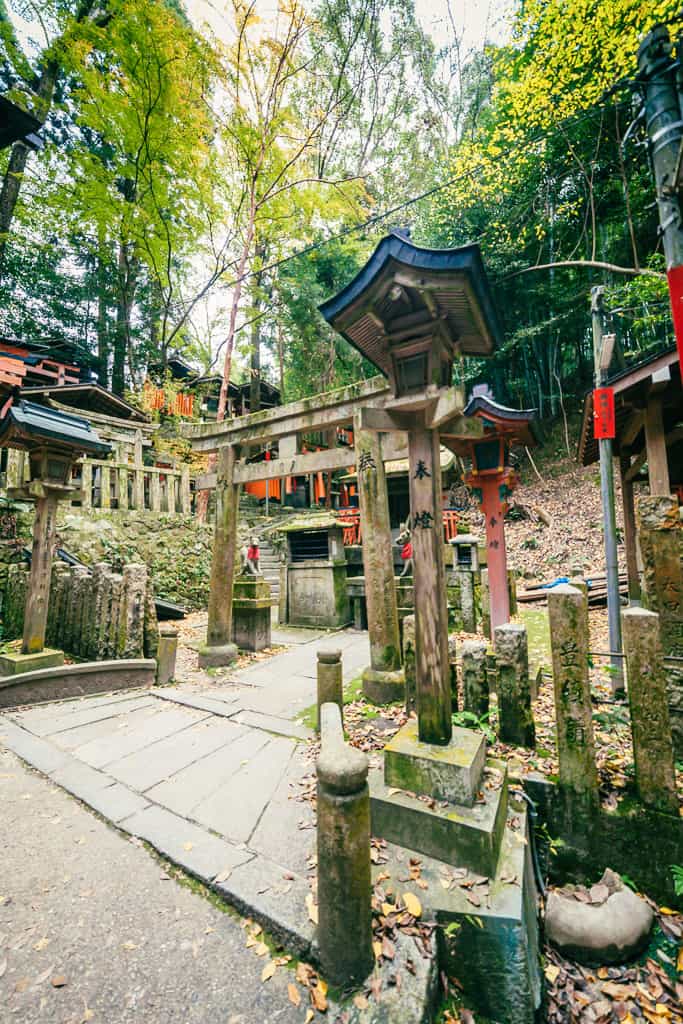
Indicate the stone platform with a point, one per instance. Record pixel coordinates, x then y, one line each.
452 772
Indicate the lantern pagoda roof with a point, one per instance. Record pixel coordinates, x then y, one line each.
405 292
517 426
27 425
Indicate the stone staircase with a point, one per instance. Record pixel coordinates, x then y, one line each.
270 567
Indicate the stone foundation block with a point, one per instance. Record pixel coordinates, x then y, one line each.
16 664
217 657
251 618
467 837
384 687
452 772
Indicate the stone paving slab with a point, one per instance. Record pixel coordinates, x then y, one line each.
79 779
153 764
195 849
41 723
273 723
188 787
276 897
38 752
162 723
234 809
286 830
115 802
227 704
71 739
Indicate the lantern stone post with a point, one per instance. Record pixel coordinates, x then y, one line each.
429 579
383 681
413 312
54 440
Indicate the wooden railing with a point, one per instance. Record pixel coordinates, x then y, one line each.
120 485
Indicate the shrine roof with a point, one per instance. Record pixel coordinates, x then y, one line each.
27 425
633 386
90 397
402 282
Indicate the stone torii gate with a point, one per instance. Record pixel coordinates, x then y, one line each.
411 311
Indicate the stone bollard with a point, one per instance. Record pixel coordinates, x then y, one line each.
485 603
409 662
475 686
515 718
468 613
166 653
130 640
650 724
330 688
568 614
344 872
659 536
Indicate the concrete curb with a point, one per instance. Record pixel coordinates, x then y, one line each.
83 679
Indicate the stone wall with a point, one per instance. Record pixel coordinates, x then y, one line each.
96 615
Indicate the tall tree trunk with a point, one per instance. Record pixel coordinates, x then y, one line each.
102 322
127 271
203 499
14 175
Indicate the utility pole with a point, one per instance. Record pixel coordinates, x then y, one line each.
662 81
602 347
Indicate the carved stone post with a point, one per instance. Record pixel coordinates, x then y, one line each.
647 697
219 649
329 682
659 532
431 613
568 613
383 681
344 881
475 685
35 616
515 718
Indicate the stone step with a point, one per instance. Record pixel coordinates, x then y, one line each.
466 837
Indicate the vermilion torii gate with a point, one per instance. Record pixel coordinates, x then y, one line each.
412 312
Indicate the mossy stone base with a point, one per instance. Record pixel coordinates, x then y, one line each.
384 687
451 772
468 837
15 664
217 657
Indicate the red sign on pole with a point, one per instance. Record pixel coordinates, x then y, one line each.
603 413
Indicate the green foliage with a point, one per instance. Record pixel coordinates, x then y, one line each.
677 873
468 720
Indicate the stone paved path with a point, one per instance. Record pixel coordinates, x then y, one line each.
206 772
81 903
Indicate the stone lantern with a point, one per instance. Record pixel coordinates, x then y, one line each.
414 312
54 441
492 479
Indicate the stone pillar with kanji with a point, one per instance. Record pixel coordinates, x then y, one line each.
429 577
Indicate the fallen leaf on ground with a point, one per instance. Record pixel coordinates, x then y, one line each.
360 1002
41 944
187 846
309 1017
412 904
3 967
59 981
268 971
294 994
261 949
552 973
319 996
129 945
223 875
